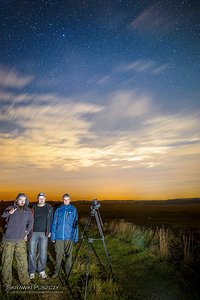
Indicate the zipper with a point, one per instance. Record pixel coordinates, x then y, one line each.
63 227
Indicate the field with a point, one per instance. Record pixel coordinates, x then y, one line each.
154 251
182 214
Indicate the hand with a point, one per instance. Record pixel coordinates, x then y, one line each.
25 238
49 235
12 210
53 241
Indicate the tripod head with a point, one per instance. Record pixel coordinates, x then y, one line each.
94 207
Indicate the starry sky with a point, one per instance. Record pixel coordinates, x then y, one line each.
100 98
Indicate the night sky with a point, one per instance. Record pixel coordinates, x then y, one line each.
100 99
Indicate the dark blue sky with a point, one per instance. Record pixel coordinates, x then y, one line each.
81 39
125 74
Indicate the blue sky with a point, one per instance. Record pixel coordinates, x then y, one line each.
100 99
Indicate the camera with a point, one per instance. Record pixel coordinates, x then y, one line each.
95 205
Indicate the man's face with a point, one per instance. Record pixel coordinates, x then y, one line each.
21 201
41 200
66 200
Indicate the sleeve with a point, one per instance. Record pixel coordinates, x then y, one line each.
53 226
49 219
29 225
51 215
75 227
6 214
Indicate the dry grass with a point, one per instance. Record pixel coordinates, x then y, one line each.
187 244
160 241
121 227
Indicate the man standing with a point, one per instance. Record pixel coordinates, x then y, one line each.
43 217
64 232
19 221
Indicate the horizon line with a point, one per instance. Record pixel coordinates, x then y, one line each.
87 200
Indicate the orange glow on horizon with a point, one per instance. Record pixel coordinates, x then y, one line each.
57 196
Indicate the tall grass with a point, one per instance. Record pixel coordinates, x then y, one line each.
187 241
160 241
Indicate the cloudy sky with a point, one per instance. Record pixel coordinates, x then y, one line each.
100 99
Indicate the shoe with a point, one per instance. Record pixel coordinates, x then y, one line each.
32 275
43 275
55 275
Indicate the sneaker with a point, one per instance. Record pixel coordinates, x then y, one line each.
43 275
32 275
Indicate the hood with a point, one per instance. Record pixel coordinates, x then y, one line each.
24 195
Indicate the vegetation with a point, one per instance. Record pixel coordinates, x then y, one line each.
149 261
153 264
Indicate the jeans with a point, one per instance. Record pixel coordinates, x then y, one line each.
38 242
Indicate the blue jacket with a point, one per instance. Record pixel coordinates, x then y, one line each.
19 224
65 224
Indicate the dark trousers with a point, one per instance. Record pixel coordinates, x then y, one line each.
63 250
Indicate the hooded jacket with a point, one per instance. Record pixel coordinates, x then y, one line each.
18 224
65 224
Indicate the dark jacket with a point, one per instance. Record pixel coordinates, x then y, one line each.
65 224
18 224
49 216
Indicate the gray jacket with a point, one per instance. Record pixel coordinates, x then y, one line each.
18 224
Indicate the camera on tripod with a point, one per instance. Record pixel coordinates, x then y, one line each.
86 236
95 206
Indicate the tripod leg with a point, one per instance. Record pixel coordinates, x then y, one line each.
97 257
80 244
87 274
86 285
99 225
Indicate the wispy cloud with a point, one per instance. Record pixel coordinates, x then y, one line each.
12 79
143 66
123 73
126 132
157 17
54 128
139 133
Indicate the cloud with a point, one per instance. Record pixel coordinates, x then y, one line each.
143 66
157 17
9 78
126 73
51 132
133 134
64 133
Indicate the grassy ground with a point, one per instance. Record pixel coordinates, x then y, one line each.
144 275
147 265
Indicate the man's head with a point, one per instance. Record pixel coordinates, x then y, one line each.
21 199
66 199
41 197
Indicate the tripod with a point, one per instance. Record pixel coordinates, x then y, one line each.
90 240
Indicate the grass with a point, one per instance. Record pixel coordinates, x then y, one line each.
148 264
